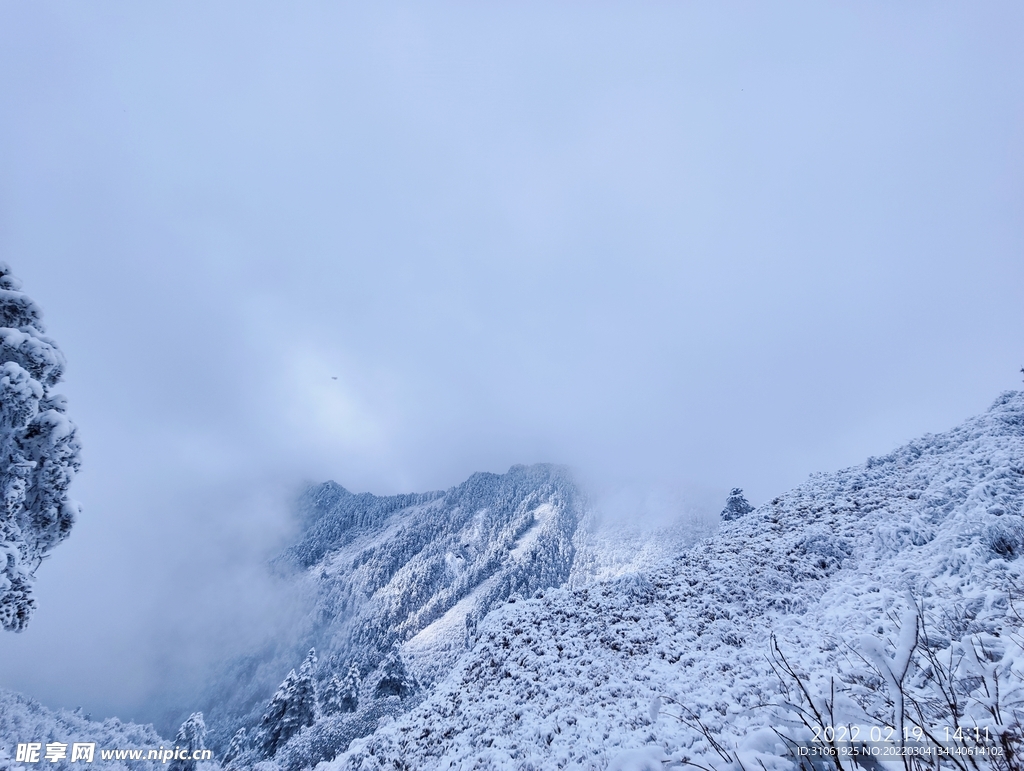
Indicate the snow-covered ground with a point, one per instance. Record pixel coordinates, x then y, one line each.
433 649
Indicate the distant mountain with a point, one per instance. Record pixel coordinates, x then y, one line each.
872 598
396 587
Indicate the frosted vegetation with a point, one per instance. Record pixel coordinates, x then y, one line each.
495 626
39 452
25 720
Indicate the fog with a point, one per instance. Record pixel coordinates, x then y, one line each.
678 247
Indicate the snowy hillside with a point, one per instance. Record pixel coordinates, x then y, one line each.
396 586
890 583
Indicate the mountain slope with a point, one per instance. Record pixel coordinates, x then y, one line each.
832 569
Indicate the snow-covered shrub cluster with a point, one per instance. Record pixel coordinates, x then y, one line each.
39 452
939 699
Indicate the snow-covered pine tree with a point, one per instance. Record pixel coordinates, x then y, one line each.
191 737
39 451
394 680
341 694
292 708
238 745
306 686
736 505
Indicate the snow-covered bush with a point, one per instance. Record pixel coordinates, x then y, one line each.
1006 539
938 702
39 451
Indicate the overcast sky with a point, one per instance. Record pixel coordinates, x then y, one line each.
678 246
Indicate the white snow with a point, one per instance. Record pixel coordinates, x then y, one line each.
436 646
542 515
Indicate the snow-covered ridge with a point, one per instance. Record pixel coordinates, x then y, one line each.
832 569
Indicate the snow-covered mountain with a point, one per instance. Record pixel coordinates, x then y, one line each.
888 589
391 590
396 586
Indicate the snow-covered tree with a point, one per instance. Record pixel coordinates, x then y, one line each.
191 737
394 679
736 505
471 624
341 694
239 745
293 707
39 451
